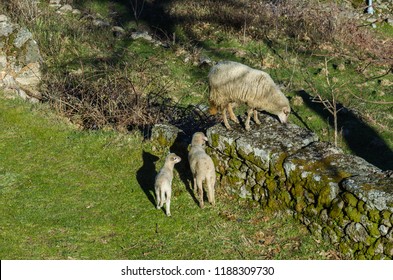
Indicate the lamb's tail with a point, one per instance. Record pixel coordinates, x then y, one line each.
213 108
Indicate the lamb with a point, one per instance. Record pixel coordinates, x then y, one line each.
231 83
202 168
163 183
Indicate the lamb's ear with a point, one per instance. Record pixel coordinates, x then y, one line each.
286 110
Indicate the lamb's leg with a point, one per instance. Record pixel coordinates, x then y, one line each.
168 203
200 190
257 121
231 113
162 198
249 112
224 116
158 198
210 190
195 185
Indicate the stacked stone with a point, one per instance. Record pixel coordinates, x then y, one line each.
20 60
341 198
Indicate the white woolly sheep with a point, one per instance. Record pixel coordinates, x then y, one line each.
231 83
202 168
163 183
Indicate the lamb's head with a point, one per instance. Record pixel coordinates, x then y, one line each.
284 114
198 139
173 158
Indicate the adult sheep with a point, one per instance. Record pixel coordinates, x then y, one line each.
231 83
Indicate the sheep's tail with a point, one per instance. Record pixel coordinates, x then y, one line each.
213 108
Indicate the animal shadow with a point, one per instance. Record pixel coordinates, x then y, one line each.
180 147
146 175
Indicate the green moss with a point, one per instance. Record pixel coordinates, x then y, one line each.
370 252
372 229
353 213
373 215
360 256
271 184
350 199
260 176
297 191
215 140
324 196
386 215
388 249
311 211
360 206
336 211
272 204
345 248
300 205
232 180
285 197
251 158
235 163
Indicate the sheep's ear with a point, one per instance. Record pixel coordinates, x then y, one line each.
286 111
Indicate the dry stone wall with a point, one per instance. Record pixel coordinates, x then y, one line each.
20 60
339 197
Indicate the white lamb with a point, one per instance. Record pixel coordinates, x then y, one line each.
231 83
202 168
163 183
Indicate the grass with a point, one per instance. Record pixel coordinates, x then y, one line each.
71 194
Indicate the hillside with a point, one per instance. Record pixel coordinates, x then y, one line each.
127 65
70 194
79 161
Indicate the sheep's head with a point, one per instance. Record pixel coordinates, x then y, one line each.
173 158
284 114
198 139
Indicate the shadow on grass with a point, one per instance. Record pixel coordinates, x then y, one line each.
146 175
180 147
361 139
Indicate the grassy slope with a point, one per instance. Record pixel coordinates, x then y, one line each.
69 194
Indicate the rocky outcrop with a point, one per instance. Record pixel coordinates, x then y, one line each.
20 60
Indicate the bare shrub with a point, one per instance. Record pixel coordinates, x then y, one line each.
111 99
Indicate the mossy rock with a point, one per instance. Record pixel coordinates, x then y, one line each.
374 187
353 214
388 249
327 194
374 216
346 248
372 228
285 197
350 199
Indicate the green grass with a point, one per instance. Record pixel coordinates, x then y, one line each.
71 194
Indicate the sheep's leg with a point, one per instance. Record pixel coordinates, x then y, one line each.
158 198
224 115
249 112
232 114
257 121
195 185
200 190
168 203
210 190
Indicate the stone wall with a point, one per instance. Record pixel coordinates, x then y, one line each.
20 60
339 197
